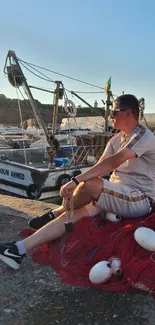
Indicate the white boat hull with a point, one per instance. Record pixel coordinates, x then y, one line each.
21 180
33 183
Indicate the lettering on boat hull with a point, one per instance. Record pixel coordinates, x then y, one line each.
7 172
4 171
17 175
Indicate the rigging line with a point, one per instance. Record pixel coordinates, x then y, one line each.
82 141
21 118
71 138
92 109
60 74
145 121
98 92
49 90
88 92
114 95
26 101
49 80
41 73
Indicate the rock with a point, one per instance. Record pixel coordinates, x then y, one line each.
9 310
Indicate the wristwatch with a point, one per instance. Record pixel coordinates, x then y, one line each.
75 180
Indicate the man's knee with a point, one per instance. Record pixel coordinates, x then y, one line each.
93 187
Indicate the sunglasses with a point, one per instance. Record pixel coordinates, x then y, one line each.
115 111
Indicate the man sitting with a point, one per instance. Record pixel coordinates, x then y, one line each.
130 192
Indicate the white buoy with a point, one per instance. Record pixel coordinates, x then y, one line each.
91 160
113 217
145 237
100 272
115 265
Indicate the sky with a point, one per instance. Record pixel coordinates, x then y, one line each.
90 40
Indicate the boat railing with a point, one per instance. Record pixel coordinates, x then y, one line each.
83 155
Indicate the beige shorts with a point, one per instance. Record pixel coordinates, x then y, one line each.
122 200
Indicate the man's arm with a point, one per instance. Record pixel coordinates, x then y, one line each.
107 165
108 151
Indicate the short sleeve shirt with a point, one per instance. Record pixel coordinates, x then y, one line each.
138 172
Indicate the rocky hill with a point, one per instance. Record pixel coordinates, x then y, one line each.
9 111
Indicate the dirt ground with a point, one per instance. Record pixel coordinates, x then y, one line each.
35 296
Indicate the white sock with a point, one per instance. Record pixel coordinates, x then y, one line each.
21 247
54 213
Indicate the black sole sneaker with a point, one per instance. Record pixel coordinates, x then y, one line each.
38 222
9 255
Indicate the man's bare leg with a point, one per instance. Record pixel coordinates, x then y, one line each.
13 254
83 194
58 211
52 230
87 192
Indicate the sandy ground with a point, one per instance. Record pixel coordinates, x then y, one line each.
35 296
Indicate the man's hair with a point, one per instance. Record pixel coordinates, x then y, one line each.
129 102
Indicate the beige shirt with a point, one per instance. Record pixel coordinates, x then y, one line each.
137 172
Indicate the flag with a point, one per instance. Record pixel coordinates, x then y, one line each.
107 85
109 82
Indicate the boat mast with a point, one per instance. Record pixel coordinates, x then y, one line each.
56 106
107 105
12 55
107 110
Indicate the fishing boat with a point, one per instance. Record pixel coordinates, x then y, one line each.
38 172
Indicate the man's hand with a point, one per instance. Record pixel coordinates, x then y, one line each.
66 203
67 189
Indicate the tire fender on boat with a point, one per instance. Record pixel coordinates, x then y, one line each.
70 108
32 192
63 179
